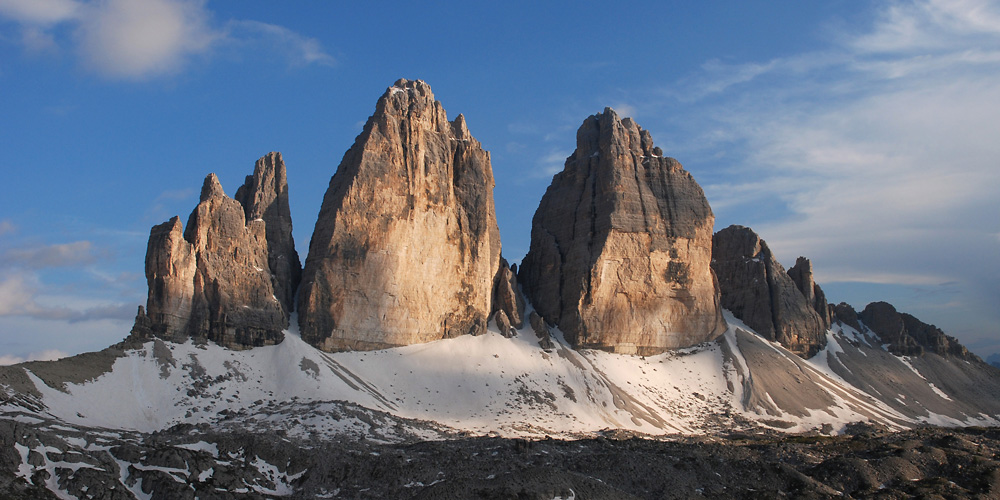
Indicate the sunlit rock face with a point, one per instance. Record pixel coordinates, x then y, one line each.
406 246
758 291
220 278
621 246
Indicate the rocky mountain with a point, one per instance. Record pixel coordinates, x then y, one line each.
220 278
621 246
908 336
406 246
756 288
643 339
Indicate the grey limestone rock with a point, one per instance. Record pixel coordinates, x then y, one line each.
406 246
506 294
213 280
844 313
758 291
802 274
908 336
264 196
621 246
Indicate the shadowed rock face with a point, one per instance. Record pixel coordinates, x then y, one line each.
212 280
264 196
802 274
621 246
406 246
758 291
908 336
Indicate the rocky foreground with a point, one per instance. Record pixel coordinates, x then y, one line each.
195 461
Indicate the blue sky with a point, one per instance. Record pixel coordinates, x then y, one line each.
863 135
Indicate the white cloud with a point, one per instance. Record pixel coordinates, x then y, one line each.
46 355
143 39
39 11
136 39
7 226
875 157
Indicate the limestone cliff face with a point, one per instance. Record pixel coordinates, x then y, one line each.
758 291
212 280
264 197
406 246
621 246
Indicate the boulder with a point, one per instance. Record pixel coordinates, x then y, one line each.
541 331
406 246
621 246
758 291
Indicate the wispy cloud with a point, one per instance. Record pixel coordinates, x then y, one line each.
6 227
298 50
879 151
144 39
551 163
20 295
77 253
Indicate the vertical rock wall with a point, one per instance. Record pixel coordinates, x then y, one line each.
406 246
621 246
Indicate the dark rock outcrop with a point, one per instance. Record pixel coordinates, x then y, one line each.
906 335
844 313
621 246
264 196
406 246
506 295
802 274
758 291
213 280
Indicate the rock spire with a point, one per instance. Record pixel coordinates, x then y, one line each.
758 291
621 246
215 279
406 246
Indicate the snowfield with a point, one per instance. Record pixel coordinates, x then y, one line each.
508 387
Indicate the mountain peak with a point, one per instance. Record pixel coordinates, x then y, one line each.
620 246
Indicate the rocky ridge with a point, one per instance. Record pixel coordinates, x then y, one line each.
908 336
756 288
406 246
621 245
214 280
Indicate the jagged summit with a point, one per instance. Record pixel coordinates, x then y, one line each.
214 280
264 196
621 245
406 246
756 288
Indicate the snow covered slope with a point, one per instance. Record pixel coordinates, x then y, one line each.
511 387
